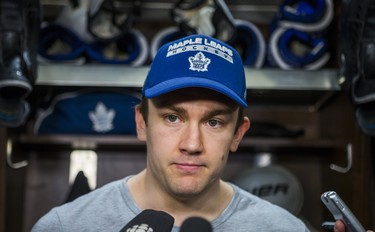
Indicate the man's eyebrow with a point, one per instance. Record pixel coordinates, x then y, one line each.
174 108
224 111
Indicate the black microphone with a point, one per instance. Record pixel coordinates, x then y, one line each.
196 224
150 220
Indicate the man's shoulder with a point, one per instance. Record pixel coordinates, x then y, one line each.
246 207
87 208
91 202
249 202
96 198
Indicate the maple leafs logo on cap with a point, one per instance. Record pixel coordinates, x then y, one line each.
199 62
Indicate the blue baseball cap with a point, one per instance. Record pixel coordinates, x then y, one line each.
197 61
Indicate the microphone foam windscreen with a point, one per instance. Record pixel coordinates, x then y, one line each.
196 224
150 221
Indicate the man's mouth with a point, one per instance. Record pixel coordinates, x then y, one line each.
188 168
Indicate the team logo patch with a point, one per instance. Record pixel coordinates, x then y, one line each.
199 62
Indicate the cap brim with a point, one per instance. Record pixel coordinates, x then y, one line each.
185 82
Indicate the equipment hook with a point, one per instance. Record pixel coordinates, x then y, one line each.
349 157
9 157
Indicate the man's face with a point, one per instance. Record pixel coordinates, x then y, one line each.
189 134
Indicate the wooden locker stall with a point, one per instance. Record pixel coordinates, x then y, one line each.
310 101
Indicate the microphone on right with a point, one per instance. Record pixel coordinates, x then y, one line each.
196 224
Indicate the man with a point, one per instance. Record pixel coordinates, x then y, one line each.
191 118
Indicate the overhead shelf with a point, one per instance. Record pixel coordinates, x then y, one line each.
260 11
121 76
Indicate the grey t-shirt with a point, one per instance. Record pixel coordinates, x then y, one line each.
111 207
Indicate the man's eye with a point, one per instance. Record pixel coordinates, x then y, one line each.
172 118
213 123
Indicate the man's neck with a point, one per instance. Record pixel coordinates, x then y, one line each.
208 205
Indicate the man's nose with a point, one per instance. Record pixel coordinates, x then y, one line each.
192 139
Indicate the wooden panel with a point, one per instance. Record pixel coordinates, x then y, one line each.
338 121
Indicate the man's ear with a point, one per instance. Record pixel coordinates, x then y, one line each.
140 124
239 134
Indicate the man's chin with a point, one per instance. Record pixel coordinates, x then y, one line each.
187 189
